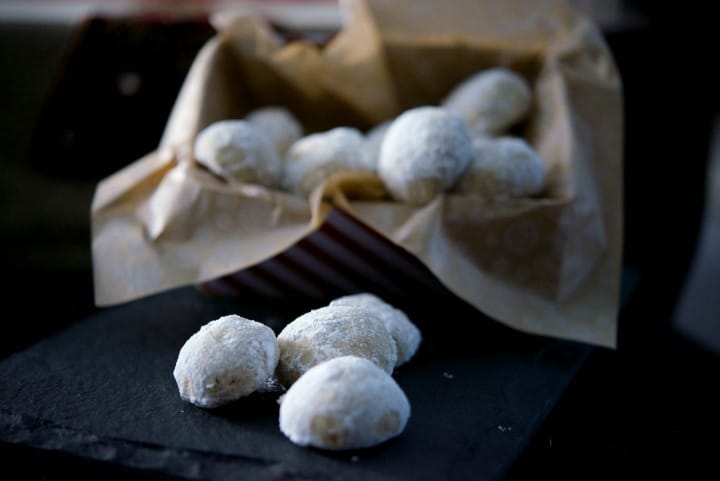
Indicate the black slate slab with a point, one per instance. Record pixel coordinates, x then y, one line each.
103 389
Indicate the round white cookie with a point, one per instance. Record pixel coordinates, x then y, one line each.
315 157
330 332
406 335
374 139
491 100
503 167
238 152
344 403
278 124
228 358
424 152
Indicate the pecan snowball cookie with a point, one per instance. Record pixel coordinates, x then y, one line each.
344 403
491 100
238 152
503 167
330 332
278 124
228 358
315 157
424 152
406 335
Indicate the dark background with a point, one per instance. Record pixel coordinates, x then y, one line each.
647 410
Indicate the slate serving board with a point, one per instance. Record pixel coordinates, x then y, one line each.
102 390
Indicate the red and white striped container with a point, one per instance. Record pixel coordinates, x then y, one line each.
343 256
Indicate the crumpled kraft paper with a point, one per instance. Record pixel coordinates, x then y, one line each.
548 265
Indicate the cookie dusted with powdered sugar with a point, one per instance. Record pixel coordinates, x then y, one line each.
503 167
344 403
315 157
406 335
228 358
330 332
238 152
278 124
374 139
490 101
424 152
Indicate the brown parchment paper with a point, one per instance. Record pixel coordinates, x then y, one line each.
548 265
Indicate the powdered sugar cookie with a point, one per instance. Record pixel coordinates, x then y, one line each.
344 403
491 100
314 158
374 139
424 152
228 358
238 152
406 335
503 167
330 332
278 124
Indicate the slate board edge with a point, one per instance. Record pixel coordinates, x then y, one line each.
29 431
